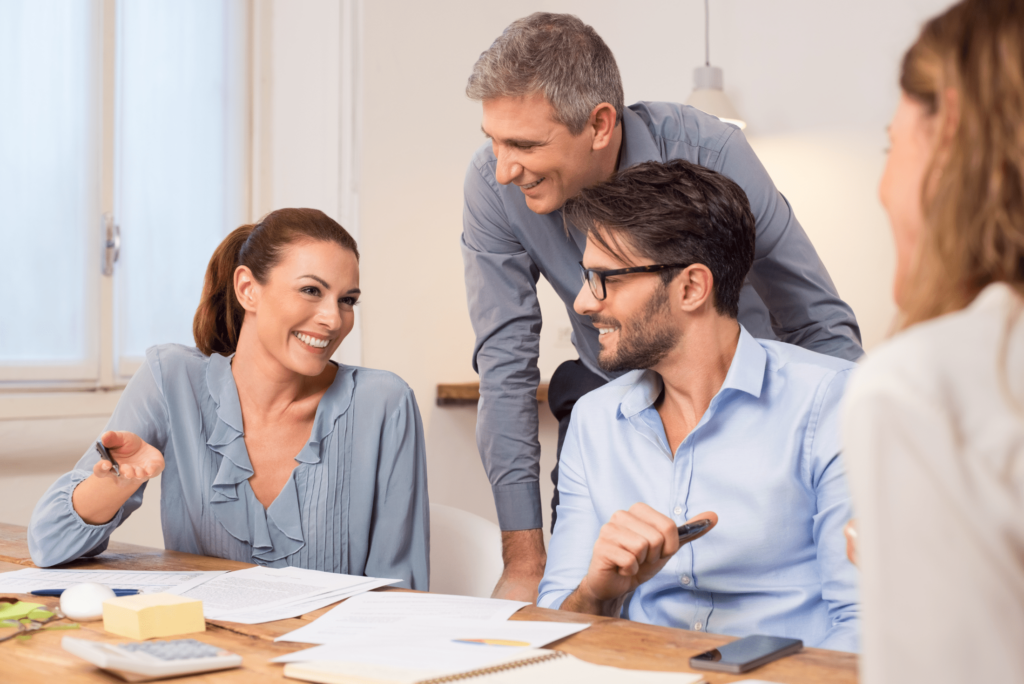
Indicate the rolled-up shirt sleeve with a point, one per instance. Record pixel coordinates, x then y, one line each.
834 508
56 533
787 273
399 541
501 285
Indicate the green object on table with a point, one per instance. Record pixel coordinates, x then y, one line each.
15 611
37 619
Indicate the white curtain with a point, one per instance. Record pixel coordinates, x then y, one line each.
48 182
179 173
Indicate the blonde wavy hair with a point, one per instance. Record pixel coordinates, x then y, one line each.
967 68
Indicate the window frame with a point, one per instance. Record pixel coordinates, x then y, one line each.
104 368
27 395
88 372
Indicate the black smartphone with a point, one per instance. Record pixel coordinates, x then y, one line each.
745 654
691 530
105 455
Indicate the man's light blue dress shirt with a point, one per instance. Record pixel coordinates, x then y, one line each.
764 457
356 502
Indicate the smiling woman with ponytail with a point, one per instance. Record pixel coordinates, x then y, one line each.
270 452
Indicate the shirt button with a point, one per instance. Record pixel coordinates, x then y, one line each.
685 579
678 510
697 626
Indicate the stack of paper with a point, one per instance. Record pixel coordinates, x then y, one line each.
533 666
432 632
145 581
249 596
259 594
438 645
355 616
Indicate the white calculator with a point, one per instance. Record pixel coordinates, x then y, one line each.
146 660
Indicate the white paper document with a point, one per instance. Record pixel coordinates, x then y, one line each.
296 609
145 581
260 594
442 645
366 610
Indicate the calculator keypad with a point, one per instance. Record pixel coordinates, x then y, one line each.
179 649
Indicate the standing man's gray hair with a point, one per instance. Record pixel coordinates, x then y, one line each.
556 54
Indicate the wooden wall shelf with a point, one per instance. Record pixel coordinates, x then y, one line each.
468 393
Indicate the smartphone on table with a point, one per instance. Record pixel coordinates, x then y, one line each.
745 654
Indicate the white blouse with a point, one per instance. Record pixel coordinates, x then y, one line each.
934 443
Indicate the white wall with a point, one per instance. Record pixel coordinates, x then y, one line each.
816 82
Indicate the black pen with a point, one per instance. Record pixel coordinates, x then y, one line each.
105 455
58 592
692 530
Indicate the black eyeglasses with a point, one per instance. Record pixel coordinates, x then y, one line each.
596 279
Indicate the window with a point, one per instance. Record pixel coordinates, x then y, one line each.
49 190
136 111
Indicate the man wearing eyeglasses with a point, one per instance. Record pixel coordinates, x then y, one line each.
553 110
715 420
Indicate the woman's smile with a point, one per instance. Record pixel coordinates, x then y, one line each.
309 340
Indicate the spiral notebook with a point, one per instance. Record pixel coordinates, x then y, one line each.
537 666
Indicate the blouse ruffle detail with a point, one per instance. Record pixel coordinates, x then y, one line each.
274 532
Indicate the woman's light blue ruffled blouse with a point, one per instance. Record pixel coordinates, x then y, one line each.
356 503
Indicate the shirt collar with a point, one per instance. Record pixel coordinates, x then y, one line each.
638 144
746 374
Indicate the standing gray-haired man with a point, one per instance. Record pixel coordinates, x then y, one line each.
554 114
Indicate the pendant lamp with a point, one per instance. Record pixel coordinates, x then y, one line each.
707 94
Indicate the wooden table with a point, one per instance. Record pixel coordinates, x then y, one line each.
609 641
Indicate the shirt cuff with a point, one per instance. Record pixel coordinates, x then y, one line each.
518 506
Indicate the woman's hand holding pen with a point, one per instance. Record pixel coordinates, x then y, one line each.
99 497
137 460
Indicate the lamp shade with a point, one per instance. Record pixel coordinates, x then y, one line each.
709 97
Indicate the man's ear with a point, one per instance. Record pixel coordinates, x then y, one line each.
247 290
602 123
696 288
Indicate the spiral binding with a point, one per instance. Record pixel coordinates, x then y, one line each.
514 665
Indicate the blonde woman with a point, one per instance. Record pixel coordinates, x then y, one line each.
934 425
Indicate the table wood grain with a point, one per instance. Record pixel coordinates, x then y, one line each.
609 641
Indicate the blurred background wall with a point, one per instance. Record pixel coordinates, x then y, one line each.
359 110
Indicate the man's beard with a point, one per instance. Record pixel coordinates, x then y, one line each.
646 341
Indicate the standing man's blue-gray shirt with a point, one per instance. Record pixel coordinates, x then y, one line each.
506 247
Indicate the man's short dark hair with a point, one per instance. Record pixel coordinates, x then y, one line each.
676 212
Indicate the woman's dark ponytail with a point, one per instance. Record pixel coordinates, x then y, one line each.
219 317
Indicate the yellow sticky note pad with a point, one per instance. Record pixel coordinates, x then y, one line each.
145 616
